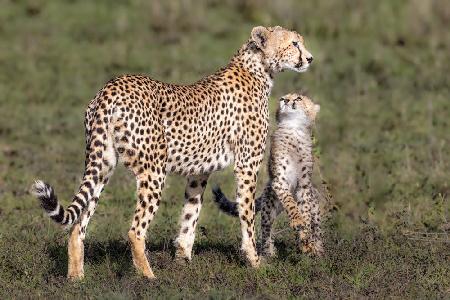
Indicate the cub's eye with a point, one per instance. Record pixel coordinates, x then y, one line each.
295 44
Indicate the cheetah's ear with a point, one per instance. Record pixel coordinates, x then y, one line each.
259 36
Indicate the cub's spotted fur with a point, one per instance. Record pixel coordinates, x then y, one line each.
156 128
290 171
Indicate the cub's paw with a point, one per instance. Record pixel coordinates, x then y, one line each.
313 248
269 251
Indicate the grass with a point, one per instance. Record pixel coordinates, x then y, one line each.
380 73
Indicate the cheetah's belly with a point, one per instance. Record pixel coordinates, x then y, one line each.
195 159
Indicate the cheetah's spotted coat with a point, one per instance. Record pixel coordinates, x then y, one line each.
155 128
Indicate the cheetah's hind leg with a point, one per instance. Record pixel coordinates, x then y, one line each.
100 178
150 179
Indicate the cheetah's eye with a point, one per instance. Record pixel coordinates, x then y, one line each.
295 44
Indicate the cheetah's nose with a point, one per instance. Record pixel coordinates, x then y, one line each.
310 59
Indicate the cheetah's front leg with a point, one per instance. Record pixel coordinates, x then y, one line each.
245 196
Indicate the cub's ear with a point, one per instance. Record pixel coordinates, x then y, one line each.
260 35
317 108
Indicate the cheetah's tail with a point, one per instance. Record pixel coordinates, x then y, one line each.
230 207
49 202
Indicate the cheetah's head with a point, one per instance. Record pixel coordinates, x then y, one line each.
282 49
297 109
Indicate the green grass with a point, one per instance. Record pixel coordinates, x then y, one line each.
380 73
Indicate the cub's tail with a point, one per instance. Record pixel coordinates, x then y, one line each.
230 207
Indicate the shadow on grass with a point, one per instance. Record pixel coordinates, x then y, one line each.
95 253
118 252
229 251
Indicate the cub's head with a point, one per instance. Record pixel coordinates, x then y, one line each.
282 49
297 110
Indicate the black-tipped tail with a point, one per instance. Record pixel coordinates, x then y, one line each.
224 204
49 202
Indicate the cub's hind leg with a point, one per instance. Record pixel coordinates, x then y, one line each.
311 235
316 228
270 209
189 217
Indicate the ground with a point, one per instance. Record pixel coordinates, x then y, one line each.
380 74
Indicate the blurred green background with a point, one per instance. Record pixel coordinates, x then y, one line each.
381 74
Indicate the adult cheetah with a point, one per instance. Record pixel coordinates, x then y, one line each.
156 128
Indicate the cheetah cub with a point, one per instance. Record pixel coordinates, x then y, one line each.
290 171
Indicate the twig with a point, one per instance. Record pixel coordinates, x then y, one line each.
442 237
280 231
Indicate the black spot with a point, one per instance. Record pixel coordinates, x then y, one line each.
193 200
193 184
97 143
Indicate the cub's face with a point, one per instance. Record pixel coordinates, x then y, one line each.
295 107
282 48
